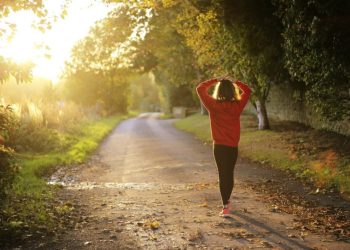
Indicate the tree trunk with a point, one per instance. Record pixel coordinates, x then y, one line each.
264 123
204 111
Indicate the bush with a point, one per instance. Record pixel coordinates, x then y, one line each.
28 138
33 128
8 169
7 120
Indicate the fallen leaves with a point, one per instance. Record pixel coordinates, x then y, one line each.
240 234
87 243
152 224
266 244
310 216
155 225
64 209
275 209
292 236
196 236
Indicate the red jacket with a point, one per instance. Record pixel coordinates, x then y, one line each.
224 116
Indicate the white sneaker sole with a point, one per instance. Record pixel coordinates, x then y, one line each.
225 215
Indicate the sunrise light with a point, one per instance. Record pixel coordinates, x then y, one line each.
50 49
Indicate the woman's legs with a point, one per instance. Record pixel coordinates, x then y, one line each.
225 158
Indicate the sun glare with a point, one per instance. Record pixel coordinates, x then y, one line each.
49 50
22 47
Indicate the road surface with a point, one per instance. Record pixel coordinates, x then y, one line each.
150 186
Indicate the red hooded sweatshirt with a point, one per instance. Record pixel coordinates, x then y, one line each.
224 116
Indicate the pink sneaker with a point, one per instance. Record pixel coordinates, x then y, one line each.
226 210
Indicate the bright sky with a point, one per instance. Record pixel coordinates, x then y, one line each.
82 14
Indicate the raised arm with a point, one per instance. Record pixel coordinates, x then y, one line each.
202 91
245 95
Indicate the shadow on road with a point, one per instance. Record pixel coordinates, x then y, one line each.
278 239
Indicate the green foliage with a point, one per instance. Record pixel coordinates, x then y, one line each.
206 38
91 89
259 42
22 72
77 148
8 170
181 95
223 36
164 52
144 94
107 41
37 6
197 124
6 119
96 73
82 87
28 134
12 92
29 138
316 45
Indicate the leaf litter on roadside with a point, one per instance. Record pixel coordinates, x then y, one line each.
196 236
152 224
240 234
309 215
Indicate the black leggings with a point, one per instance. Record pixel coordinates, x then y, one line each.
225 158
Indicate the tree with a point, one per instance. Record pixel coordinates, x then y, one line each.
96 73
240 38
164 52
22 72
145 94
37 6
316 42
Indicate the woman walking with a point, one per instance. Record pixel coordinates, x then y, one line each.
224 107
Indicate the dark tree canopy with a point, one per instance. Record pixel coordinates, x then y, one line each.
317 48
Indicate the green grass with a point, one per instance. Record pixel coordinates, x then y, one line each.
30 202
272 147
165 116
196 124
34 167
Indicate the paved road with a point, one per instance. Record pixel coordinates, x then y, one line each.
154 187
148 150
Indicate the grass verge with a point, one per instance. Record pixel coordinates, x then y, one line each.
164 116
30 206
318 156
